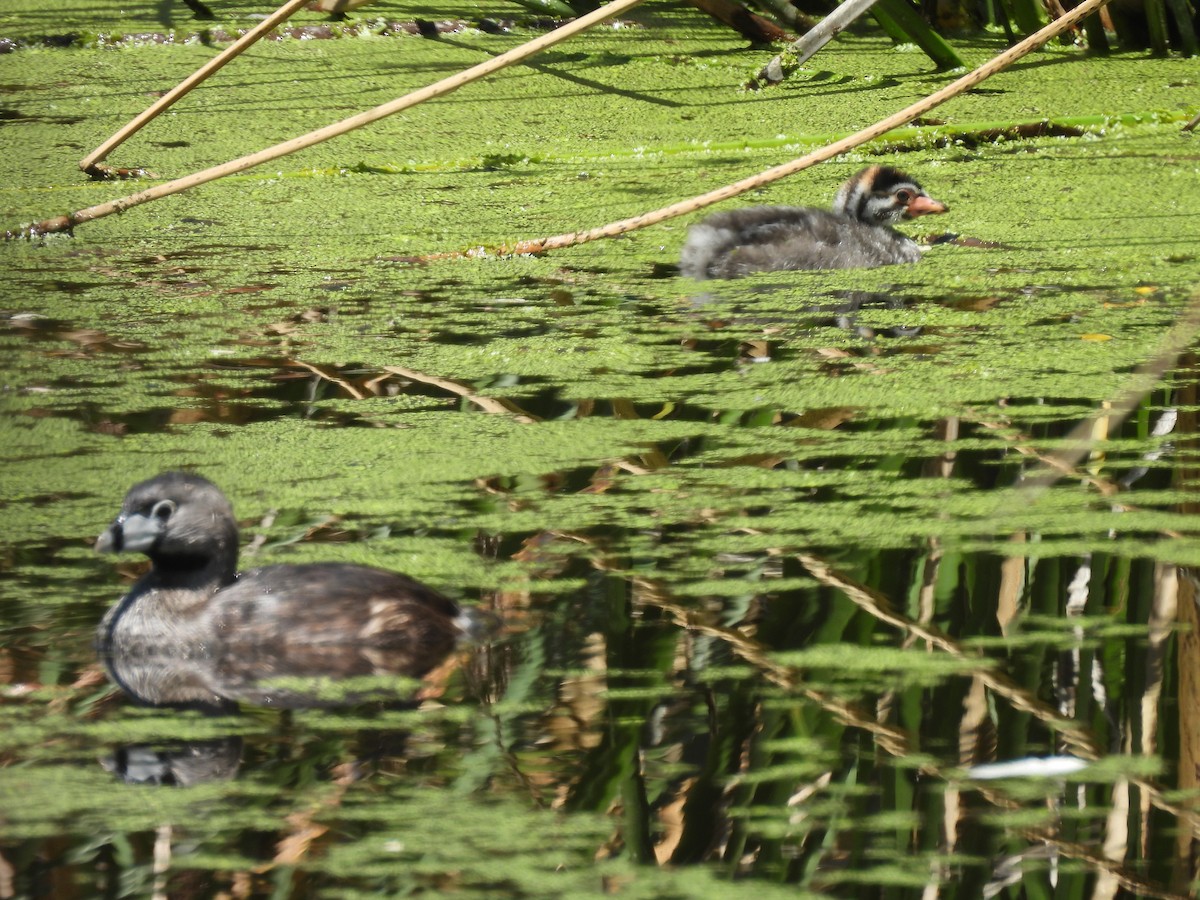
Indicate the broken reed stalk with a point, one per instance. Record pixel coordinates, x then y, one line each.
90 163
801 51
445 86
968 81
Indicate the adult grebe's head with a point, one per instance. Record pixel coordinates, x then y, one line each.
177 519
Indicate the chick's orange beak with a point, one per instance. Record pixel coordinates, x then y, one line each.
924 206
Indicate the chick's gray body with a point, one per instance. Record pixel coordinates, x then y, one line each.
855 234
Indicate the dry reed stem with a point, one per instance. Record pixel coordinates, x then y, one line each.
90 162
445 86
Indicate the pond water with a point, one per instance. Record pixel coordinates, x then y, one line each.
778 560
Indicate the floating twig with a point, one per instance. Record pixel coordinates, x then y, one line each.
487 404
340 382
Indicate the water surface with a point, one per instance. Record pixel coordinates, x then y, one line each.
776 559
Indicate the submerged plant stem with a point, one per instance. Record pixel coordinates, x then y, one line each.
1080 441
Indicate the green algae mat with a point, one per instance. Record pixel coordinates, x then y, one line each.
775 558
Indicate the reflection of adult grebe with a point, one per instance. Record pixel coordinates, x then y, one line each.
855 235
193 604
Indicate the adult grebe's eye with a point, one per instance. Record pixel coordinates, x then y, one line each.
163 510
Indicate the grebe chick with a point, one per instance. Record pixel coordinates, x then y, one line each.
856 234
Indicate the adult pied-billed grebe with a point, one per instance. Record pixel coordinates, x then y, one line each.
856 234
322 618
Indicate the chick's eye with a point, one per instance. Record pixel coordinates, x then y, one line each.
903 196
162 510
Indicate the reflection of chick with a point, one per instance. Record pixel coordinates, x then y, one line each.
856 234
193 603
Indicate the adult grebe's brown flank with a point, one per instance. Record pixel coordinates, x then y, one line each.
193 600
